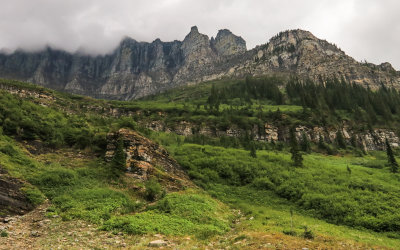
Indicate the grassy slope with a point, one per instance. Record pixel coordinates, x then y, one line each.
189 97
80 188
326 176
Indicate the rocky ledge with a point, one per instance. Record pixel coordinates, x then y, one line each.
12 200
146 159
366 140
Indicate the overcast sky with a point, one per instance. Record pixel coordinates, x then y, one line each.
365 29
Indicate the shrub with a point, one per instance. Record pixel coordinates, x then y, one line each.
308 234
118 162
153 190
263 183
3 233
289 232
56 178
8 150
33 194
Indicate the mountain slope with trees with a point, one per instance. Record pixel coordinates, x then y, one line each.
241 193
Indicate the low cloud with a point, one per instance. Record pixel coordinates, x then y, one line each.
365 29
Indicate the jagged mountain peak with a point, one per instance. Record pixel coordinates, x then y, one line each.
296 34
226 43
136 69
194 29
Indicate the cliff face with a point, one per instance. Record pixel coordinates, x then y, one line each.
12 199
366 140
305 55
146 159
136 69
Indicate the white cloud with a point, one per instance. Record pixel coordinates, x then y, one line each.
365 29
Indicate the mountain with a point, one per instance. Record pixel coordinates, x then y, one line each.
136 69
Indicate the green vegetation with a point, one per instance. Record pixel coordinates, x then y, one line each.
3 233
394 167
118 163
153 190
322 188
294 188
78 192
297 158
177 214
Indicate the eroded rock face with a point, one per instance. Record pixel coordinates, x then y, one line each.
367 140
302 53
136 69
146 159
227 44
12 200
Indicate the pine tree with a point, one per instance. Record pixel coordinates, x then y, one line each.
348 170
253 150
297 158
340 139
353 141
394 167
118 162
321 143
305 144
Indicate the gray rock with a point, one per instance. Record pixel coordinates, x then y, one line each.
136 69
35 233
157 243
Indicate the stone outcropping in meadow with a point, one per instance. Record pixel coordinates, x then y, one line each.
146 159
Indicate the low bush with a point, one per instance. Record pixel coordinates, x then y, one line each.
176 214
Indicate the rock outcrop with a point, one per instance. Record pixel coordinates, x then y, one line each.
305 55
12 200
136 69
227 44
366 140
146 159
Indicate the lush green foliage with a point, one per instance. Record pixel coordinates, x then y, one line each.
368 198
153 189
394 167
297 158
364 105
118 162
30 121
176 214
75 193
256 177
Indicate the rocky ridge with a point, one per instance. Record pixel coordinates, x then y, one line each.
13 201
366 140
136 69
146 159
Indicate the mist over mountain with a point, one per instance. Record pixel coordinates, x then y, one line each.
136 69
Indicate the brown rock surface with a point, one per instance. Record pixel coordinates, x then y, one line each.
146 159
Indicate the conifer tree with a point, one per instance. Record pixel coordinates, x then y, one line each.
305 144
340 139
118 162
348 170
297 158
394 167
321 143
253 150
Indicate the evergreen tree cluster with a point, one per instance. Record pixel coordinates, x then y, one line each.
394 166
334 94
297 157
252 88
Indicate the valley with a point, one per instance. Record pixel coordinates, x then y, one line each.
184 179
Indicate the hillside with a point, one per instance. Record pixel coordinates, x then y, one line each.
93 173
136 69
